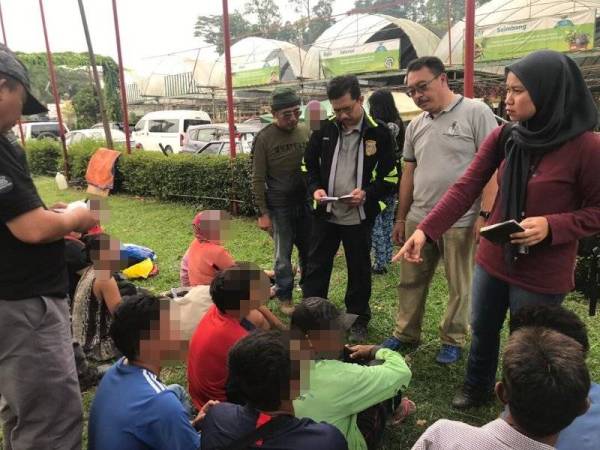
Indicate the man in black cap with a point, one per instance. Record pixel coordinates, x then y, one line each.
280 189
40 404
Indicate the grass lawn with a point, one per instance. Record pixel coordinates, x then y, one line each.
165 227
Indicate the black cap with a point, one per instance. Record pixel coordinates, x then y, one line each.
11 66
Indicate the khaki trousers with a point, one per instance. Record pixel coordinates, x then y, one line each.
457 249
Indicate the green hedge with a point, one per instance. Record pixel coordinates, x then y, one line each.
204 180
43 156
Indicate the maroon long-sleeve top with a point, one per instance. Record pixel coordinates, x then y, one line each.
565 188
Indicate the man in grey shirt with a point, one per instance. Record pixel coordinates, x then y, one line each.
439 145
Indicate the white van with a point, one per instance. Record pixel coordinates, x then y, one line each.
166 129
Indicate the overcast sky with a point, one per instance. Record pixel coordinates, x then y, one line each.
148 27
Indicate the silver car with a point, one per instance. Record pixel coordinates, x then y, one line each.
214 139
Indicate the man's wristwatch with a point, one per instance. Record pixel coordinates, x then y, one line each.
484 214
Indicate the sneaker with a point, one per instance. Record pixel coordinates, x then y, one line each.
358 333
469 397
393 343
448 354
286 307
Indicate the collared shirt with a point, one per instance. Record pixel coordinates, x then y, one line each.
345 175
443 147
496 435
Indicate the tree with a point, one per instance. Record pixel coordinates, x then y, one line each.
413 10
72 74
268 18
210 29
86 107
321 20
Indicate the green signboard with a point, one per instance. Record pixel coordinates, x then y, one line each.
375 57
267 74
564 33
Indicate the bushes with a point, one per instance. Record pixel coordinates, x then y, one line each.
43 156
204 180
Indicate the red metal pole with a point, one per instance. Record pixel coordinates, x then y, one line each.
228 81
469 56
229 85
122 86
61 128
449 33
6 43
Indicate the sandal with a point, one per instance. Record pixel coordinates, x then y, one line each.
406 408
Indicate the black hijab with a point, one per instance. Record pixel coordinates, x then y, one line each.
564 109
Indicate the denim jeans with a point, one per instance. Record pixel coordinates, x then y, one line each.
291 226
383 247
183 397
492 298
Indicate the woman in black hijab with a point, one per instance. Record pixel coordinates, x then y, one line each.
548 163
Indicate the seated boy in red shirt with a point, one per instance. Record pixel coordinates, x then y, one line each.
235 292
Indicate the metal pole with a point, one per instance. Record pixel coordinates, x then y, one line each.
22 135
96 82
449 34
229 85
469 56
122 86
61 128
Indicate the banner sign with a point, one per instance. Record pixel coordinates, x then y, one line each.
379 56
564 33
256 74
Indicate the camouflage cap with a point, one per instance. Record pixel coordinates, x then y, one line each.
11 66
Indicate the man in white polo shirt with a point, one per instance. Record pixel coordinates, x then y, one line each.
439 145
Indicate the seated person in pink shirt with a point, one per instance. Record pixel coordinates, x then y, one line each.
545 384
206 256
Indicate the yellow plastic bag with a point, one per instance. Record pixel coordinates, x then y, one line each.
139 270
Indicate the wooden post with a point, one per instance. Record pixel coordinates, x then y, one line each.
96 83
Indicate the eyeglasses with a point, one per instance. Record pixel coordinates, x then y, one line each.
346 110
289 114
421 88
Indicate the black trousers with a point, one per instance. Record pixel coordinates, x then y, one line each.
325 242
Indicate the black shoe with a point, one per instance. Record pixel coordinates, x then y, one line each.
88 378
358 333
379 270
469 397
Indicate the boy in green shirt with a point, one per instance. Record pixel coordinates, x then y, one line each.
342 393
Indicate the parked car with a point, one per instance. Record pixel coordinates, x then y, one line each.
166 129
113 126
94 133
39 130
214 139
